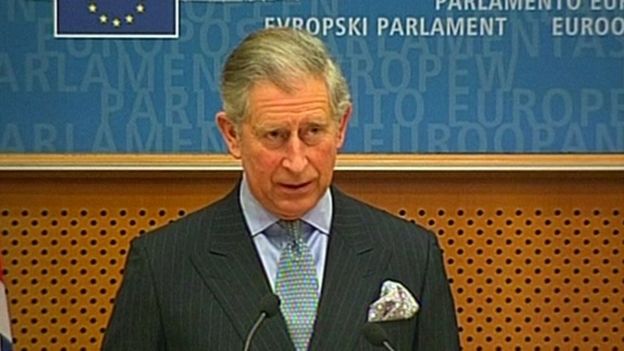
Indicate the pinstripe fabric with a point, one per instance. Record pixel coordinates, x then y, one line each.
196 285
367 247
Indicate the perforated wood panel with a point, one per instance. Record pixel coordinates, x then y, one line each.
535 259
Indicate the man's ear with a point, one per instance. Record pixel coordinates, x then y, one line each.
229 132
342 126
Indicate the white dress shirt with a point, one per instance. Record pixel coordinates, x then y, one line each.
269 247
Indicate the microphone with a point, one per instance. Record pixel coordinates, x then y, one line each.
376 335
269 306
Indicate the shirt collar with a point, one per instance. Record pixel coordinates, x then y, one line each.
258 218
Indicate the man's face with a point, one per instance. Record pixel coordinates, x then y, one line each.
287 145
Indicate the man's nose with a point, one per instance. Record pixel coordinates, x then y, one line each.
295 159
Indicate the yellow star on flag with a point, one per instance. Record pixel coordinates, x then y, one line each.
117 18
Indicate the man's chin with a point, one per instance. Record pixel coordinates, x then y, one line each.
294 208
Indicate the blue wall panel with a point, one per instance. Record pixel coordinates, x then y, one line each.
429 76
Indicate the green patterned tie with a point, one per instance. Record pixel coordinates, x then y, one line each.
297 285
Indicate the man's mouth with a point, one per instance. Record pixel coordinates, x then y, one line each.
295 186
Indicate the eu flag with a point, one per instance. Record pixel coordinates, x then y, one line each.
116 18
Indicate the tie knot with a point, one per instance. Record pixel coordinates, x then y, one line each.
293 228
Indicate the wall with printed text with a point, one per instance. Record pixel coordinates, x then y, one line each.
434 76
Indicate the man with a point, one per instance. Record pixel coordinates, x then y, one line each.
197 284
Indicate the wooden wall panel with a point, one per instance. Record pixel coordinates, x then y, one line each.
535 258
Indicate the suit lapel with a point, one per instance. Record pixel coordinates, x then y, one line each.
353 270
229 265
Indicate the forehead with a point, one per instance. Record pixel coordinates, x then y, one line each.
308 98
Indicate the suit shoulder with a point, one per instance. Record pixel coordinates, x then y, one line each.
385 222
179 231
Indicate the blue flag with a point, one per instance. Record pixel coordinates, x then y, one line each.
116 18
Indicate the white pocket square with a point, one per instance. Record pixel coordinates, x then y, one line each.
395 303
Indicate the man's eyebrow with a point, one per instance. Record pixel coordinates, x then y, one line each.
266 127
271 124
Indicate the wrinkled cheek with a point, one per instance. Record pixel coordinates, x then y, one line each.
327 164
264 168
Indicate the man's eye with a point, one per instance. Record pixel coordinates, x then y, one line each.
276 135
313 134
273 134
314 130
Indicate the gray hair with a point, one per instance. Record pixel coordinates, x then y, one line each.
281 56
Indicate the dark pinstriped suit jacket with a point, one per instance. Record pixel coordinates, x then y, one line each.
196 284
